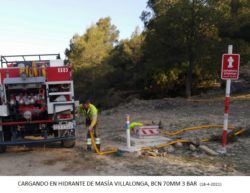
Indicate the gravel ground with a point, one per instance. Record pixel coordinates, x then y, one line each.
175 160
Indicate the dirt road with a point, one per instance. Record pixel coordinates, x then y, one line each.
175 114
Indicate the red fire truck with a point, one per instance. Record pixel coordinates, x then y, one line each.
37 101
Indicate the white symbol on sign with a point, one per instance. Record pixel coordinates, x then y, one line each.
230 62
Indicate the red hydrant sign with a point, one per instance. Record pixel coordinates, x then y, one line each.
230 66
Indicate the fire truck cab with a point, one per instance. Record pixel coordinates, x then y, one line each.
37 101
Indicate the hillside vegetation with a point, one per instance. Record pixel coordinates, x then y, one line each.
178 53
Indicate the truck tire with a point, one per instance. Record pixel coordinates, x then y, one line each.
6 133
2 148
68 143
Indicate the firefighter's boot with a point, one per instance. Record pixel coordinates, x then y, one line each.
98 143
89 144
89 148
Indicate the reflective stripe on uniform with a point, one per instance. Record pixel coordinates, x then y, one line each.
97 140
89 141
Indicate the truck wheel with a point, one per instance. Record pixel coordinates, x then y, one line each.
68 143
7 133
2 148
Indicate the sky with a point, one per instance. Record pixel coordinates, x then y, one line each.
46 26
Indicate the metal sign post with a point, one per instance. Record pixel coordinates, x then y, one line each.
128 131
229 71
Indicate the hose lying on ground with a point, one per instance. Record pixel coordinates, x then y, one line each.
97 150
167 144
193 128
171 143
237 132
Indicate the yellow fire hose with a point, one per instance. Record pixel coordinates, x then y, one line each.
192 128
171 143
189 129
240 131
167 133
97 150
167 144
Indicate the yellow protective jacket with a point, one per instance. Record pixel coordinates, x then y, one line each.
89 113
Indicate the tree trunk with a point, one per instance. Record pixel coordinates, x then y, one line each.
189 81
191 52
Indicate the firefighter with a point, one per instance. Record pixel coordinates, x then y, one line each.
90 113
